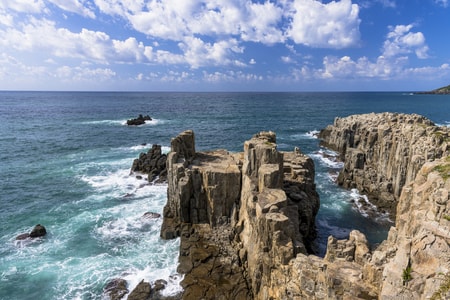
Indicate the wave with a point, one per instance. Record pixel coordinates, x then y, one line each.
147 146
312 134
446 124
362 204
107 122
328 158
123 122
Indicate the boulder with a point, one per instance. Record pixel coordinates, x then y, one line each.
152 163
37 231
115 289
151 215
141 292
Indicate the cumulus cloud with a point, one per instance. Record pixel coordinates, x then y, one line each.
400 40
24 6
75 6
331 25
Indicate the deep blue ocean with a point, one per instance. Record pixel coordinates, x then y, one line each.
65 161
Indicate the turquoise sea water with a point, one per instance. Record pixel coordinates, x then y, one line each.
65 161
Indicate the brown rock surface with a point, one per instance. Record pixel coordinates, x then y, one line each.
383 152
245 219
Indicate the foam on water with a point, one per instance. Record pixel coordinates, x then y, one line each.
328 158
117 241
366 208
306 135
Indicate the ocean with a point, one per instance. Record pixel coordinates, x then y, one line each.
65 160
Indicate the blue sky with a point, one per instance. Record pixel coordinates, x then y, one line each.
224 45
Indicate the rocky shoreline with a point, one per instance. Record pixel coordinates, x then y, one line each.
246 220
384 152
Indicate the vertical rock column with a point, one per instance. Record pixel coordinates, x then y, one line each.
267 225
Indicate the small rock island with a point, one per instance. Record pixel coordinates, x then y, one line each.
140 120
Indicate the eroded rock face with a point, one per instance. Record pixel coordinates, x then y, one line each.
245 220
421 237
239 214
383 152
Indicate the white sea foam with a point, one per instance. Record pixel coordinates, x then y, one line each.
307 135
312 133
366 208
106 122
328 158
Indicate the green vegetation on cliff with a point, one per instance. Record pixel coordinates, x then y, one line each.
440 91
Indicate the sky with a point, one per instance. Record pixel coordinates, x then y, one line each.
224 45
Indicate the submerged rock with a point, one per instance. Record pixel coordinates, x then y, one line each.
151 215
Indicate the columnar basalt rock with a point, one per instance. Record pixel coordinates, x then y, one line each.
240 215
245 220
383 152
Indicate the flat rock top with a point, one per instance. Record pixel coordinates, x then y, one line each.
218 160
384 118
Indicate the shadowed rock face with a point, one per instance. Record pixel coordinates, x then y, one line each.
383 152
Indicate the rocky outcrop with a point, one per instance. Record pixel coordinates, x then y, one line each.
241 216
383 152
37 231
152 163
416 255
115 289
245 221
140 120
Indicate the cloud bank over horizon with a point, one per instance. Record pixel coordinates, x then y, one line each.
221 45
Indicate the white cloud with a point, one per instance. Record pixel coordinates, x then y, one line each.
24 6
252 61
198 53
400 40
231 77
84 74
6 20
443 3
331 25
75 6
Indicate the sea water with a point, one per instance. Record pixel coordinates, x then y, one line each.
65 163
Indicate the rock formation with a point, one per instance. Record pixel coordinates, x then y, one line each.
241 216
152 163
383 152
37 231
246 219
140 120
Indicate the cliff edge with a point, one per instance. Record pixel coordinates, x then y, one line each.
383 152
246 219
240 216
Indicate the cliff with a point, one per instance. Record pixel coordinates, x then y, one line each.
246 220
440 91
383 152
241 216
